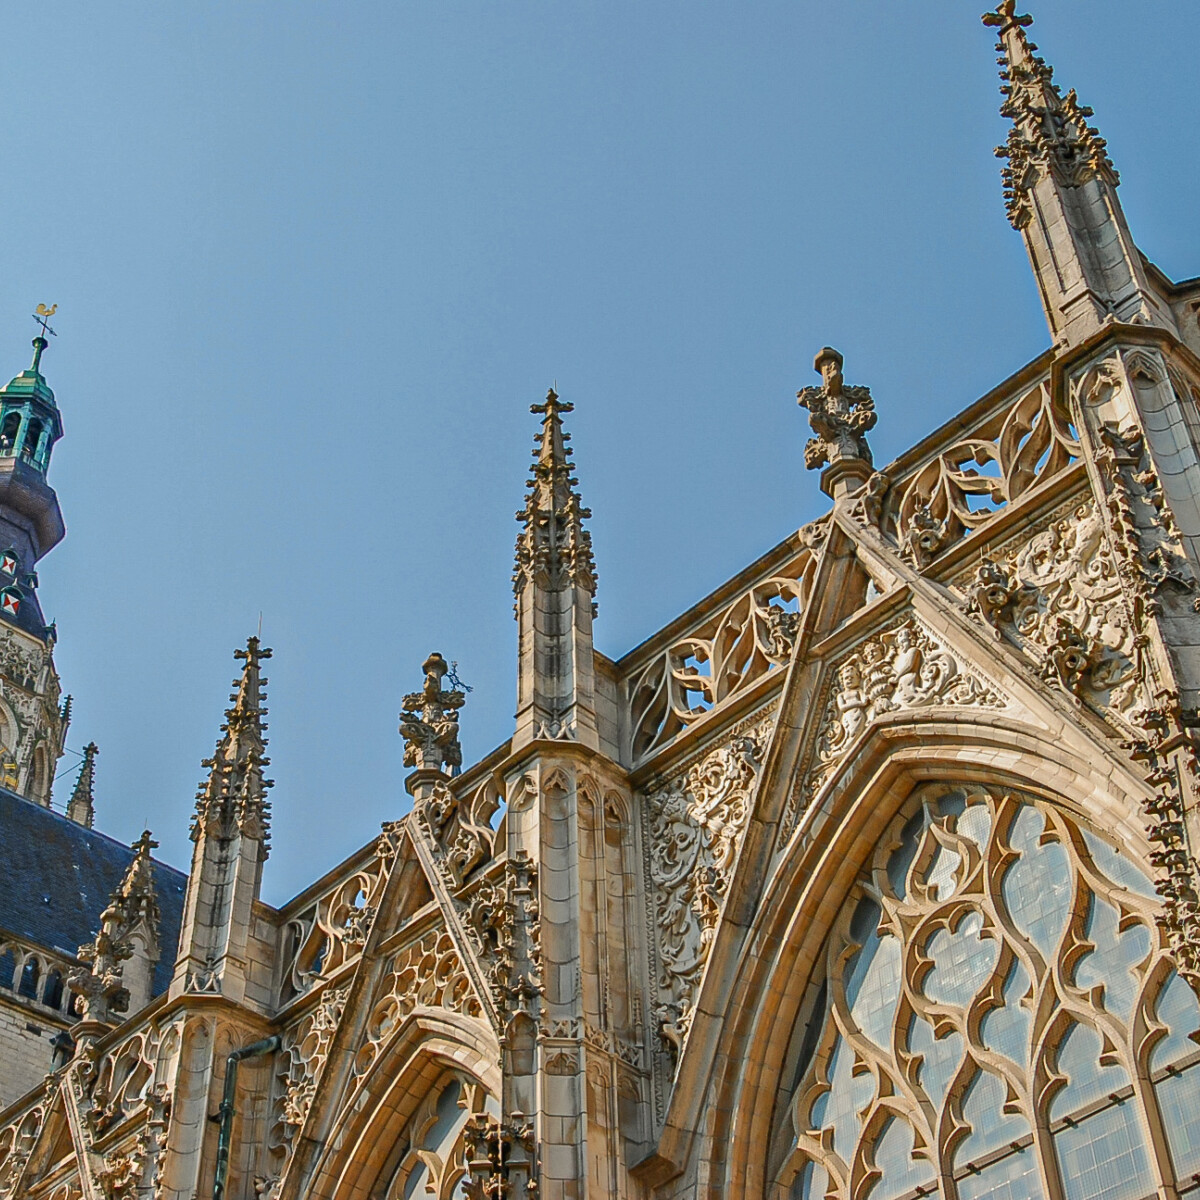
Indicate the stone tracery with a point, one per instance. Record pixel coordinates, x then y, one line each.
996 996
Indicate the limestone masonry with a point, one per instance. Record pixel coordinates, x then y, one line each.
870 877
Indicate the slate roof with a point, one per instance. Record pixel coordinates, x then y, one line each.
56 878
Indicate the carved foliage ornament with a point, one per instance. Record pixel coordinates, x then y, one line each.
1147 540
696 826
1058 596
459 827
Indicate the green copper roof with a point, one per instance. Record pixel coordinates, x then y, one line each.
30 384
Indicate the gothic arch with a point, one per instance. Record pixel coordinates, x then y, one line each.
776 967
428 1048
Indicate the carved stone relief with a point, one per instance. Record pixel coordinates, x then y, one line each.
696 823
899 670
1058 597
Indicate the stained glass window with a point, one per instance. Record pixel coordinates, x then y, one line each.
998 1018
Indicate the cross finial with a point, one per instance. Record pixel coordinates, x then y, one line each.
145 844
254 652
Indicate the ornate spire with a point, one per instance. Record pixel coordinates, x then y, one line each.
235 791
840 416
81 808
1060 189
553 547
1050 132
429 722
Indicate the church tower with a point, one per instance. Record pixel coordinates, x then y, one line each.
32 721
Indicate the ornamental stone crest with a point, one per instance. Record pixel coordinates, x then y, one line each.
840 417
429 721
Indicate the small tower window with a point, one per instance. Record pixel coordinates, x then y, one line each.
10 602
9 562
9 428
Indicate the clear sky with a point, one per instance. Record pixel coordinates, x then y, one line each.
315 260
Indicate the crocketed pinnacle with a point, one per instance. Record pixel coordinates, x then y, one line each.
81 808
1050 133
233 797
553 547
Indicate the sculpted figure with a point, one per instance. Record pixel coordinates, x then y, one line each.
851 702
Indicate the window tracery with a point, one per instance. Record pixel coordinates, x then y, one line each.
999 1017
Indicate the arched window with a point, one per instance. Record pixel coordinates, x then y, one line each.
33 434
10 427
8 965
52 993
30 974
40 776
997 1016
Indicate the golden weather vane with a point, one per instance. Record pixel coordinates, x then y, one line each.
42 317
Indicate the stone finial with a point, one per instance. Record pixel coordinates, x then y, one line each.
1050 131
135 896
553 548
429 722
235 793
81 808
840 416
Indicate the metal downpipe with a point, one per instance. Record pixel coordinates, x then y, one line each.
225 1113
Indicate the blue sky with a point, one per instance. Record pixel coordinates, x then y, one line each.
314 261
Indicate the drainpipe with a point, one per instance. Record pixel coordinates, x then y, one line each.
226 1112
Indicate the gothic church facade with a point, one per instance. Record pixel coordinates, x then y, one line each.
870 876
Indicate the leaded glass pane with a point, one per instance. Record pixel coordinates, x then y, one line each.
1038 886
1175 1066
1112 964
962 961
991 1127
901 1171
1181 1116
1014 1177
1088 1079
940 1058
999 963
1006 1029
1104 1157
1179 1011
1117 867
